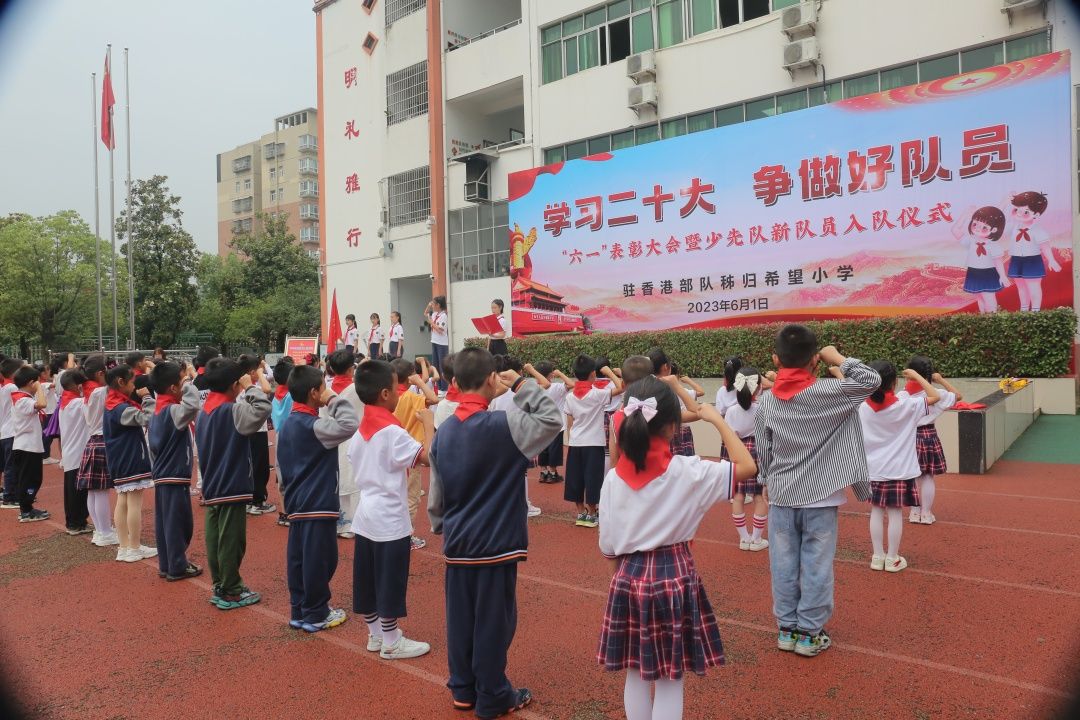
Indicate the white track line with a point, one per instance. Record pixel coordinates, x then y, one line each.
1071 536
1009 495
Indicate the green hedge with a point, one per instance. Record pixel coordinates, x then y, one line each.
961 345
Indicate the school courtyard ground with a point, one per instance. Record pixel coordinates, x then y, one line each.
981 625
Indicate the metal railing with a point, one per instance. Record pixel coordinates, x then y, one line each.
481 36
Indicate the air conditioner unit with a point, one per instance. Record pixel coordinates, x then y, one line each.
641 66
1008 6
801 53
641 96
799 20
387 249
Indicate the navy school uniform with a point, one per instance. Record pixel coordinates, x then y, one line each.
170 468
477 502
125 445
307 461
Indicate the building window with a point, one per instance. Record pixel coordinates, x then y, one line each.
281 172
406 93
410 197
242 205
247 183
237 187
397 9
273 171
309 211
273 150
309 166
273 196
370 42
309 234
308 143
309 188
479 242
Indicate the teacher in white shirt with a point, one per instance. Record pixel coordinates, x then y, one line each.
497 341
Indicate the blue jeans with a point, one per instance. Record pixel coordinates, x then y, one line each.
802 545
438 352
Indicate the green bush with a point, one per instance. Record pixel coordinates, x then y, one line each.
961 345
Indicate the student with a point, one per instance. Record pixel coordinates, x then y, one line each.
497 341
260 447
683 441
613 405
352 334
141 367
478 505
585 459
659 622
74 434
809 448
551 457
50 428
435 312
27 401
741 418
408 405
93 475
342 364
128 459
397 335
381 453
726 396
888 428
280 408
307 459
222 432
927 442
448 404
202 358
8 369
375 336
505 402
169 438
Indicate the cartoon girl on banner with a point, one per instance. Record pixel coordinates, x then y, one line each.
520 245
1028 248
985 254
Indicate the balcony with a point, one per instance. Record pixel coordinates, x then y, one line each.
309 234
243 205
309 212
242 164
469 66
309 189
309 143
273 150
309 166
241 226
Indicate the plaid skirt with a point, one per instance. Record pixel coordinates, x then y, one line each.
895 493
682 443
931 454
750 485
658 619
93 472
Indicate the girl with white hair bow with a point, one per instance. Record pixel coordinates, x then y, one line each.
748 384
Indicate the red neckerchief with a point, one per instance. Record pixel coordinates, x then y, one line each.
453 394
1022 234
371 335
402 388
89 387
617 418
3 381
19 395
115 399
601 383
469 404
395 325
305 409
164 401
792 381
281 391
215 400
375 419
200 371
339 383
656 464
890 399
582 388
138 372
913 387
66 397
980 248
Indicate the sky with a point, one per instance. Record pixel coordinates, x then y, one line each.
206 76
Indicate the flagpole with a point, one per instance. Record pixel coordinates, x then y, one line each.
112 211
97 207
130 239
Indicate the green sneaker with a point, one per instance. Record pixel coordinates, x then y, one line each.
243 599
581 520
812 645
590 521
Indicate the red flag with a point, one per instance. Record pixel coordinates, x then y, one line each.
333 332
107 102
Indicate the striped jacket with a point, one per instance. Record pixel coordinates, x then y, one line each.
307 459
811 446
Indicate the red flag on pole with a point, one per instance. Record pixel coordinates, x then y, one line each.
107 101
333 331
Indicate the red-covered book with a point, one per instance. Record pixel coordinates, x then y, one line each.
488 324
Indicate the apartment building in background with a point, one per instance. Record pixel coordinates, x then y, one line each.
428 106
277 173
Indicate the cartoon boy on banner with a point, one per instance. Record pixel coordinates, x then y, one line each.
1030 253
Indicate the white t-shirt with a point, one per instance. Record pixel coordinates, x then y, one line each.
7 430
726 399
52 396
616 400
889 438
375 335
397 333
352 335
438 329
26 426
933 412
588 414
443 411
503 402
381 468
994 251
94 410
73 434
667 510
346 478
1025 248
742 421
557 393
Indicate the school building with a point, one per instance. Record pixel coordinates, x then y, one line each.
425 108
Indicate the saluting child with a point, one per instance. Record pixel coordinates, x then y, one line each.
683 441
308 462
408 405
27 449
169 437
727 396
8 369
74 434
447 403
280 408
550 458
927 442
128 458
585 407
742 419
93 473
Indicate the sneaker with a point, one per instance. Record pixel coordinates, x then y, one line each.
8 505
194 492
895 564
786 639
811 645
145 553
877 562
556 477
523 698
335 617
264 508
581 518
927 519
914 516
544 475
464 706
758 545
417 543
347 534
283 520
744 543
191 571
103 539
128 555
230 602
534 511
374 643
50 461
590 521
84 530
296 624
404 649
254 509
34 515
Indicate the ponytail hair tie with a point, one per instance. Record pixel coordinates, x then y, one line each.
646 407
746 381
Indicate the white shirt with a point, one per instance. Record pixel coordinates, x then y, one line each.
502 322
557 393
616 400
52 396
933 412
994 251
742 421
1023 248
666 511
346 478
588 414
381 470
375 335
7 430
438 328
397 333
94 410
351 336
74 434
889 438
26 425
443 411
504 402
726 399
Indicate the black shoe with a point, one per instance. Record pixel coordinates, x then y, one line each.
34 515
556 477
544 477
192 570
523 698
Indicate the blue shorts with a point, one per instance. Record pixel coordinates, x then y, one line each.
982 280
1027 266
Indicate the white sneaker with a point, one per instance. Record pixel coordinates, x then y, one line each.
50 461
404 649
877 562
534 511
105 539
895 564
758 545
927 519
145 553
374 643
914 516
112 539
128 555
744 543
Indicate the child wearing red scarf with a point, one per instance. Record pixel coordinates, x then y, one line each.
927 442
343 364
74 434
659 623
8 367
585 407
408 405
128 458
888 426
93 475
27 402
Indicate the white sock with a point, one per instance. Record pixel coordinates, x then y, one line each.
927 490
668 702
740 525
391 633
896 528
759 526
97 504
877 529
637 696
528 502
372 622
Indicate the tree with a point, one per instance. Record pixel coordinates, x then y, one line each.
164 262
